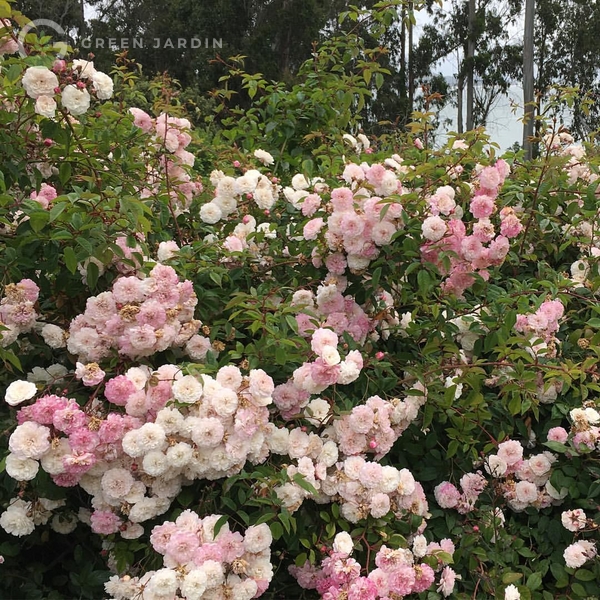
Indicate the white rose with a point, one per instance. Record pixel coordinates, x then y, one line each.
343 543
511 592
264 157
103 85
496 466
299 182
19 391
39 81
317 411
167 250
295 197
76 101
434 228
21 469
45 106
54 336
330 355
420 546
64 524
16 521
187 389
364 140
86 68
210 213
264 198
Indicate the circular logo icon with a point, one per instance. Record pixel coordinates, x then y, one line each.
61 46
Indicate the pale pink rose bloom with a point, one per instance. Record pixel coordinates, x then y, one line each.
447 579
323 337
446 495
207 432
379 505
482 206
577 554
434 228
471 248
472 485
105 522
510 451
511 592
496 466
257 538
460 145
336 263
526 492
310 204
28 287
142 119
382 233
29 440
353 172
45 196
234 244
312 228
90 374
8 47
557 434
490 178
342 199
539 465
181 546
261 384
511 226
573 520
75 100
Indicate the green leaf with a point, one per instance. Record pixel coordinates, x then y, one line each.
299 479
594 490
222 520
556 446
534 581
584 575
5 11
38 220
14 72
64 172
276 530
57 210
92 274
70 259
578 589
185 497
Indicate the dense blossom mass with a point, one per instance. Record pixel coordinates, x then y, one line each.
263 371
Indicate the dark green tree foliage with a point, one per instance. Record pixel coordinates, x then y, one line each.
497 61
69 14
567 43
276 36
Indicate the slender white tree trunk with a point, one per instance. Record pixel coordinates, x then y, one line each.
528 78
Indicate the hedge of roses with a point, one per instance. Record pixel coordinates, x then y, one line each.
364 370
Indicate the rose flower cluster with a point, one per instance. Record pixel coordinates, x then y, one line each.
201 564
139 317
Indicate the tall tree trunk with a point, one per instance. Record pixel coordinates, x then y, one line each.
403 50
459 102
528 78
411 66
470 65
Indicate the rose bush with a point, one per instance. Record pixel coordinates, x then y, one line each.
355 369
